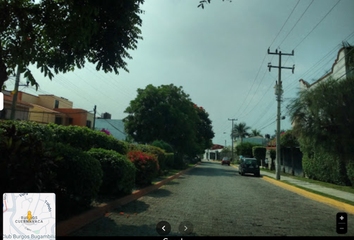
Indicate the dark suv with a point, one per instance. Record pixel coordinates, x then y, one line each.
249 165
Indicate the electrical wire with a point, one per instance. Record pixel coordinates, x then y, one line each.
317 24
296 22
285 22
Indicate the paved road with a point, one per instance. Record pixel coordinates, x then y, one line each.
220 202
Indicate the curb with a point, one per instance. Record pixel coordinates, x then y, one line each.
333 203
66 227
329 201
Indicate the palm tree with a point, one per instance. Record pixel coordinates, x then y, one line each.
324 119
240 131
255 133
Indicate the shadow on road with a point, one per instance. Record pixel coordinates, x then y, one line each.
250 175
160 193
136 206
213 172
108 227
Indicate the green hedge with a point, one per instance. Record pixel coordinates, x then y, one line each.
169 160
350 171
85 138
24 162
165 162
322 166
79 177
78 137
146 165
118 172
259 153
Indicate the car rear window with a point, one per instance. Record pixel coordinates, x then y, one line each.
249 161
226 159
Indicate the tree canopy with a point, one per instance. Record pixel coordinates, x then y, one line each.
240 130
255 133
167 113
324 121
61 35
325 115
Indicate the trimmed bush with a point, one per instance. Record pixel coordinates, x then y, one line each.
118 172
322 166
160 154
245 149
259 153
85 138
350 171
78 137
147 167
163 145
24 164
169 160
79 177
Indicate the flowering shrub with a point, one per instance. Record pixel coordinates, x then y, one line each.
105 131
146 165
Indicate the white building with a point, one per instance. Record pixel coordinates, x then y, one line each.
342 67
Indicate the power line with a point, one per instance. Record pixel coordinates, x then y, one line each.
317 24
285 23
225 123
296 23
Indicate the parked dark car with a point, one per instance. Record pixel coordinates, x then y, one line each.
249 165
225 160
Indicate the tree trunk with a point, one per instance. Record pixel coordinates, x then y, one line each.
292 161
3 72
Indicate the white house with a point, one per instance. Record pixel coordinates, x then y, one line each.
342 67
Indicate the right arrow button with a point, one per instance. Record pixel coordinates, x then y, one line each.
186 228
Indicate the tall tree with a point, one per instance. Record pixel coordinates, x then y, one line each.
255 133
61 35
240 130
167 113
324 116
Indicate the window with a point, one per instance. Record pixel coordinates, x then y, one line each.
58 120
88 124
70 120
56 104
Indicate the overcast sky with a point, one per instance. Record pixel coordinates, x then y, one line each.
219 56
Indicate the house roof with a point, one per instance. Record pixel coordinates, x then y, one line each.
46 109
335 62
304 82
8 99
216 146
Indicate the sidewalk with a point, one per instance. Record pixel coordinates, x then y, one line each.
315 187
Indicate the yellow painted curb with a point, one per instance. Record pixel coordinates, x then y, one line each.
334 203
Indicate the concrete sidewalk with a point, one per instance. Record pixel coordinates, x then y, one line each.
315 187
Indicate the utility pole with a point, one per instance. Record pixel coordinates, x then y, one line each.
279 92
15 92
232 140
94 117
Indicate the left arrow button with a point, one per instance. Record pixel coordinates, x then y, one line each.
163 228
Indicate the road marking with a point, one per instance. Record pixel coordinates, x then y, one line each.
334 203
